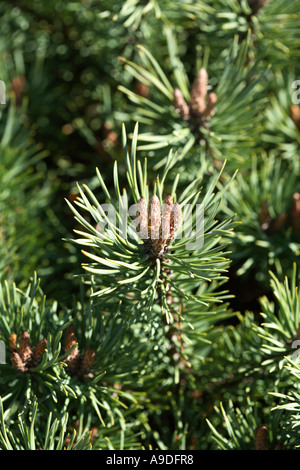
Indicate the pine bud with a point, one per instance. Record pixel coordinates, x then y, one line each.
176 219
142 219
25 350
199 91
295 213
141 89
261 438
88 358
93 433
18 85
277 223
295 115
166 219
161 227
13 342
180 104
39 349
154 219
210 106
71 341
17 362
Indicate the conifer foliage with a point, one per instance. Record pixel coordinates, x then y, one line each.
149 225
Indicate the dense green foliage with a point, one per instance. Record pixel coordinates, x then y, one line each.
185 341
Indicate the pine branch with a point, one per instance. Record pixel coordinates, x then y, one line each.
186 117
140 271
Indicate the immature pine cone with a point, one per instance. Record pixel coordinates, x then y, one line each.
78 365
23 357
295 213
295 115
180 105
261 438
202 106
160 225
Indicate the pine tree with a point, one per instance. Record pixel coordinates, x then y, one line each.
150 225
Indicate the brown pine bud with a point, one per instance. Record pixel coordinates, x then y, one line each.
93 433
39 349
175 221
13 342
199 91
25 350
295 115
18 85
17 362
261 438
180 105
210 106
166 219
71 340
154 219
295 213
142 219
162 227
141 89
277 223
88 358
